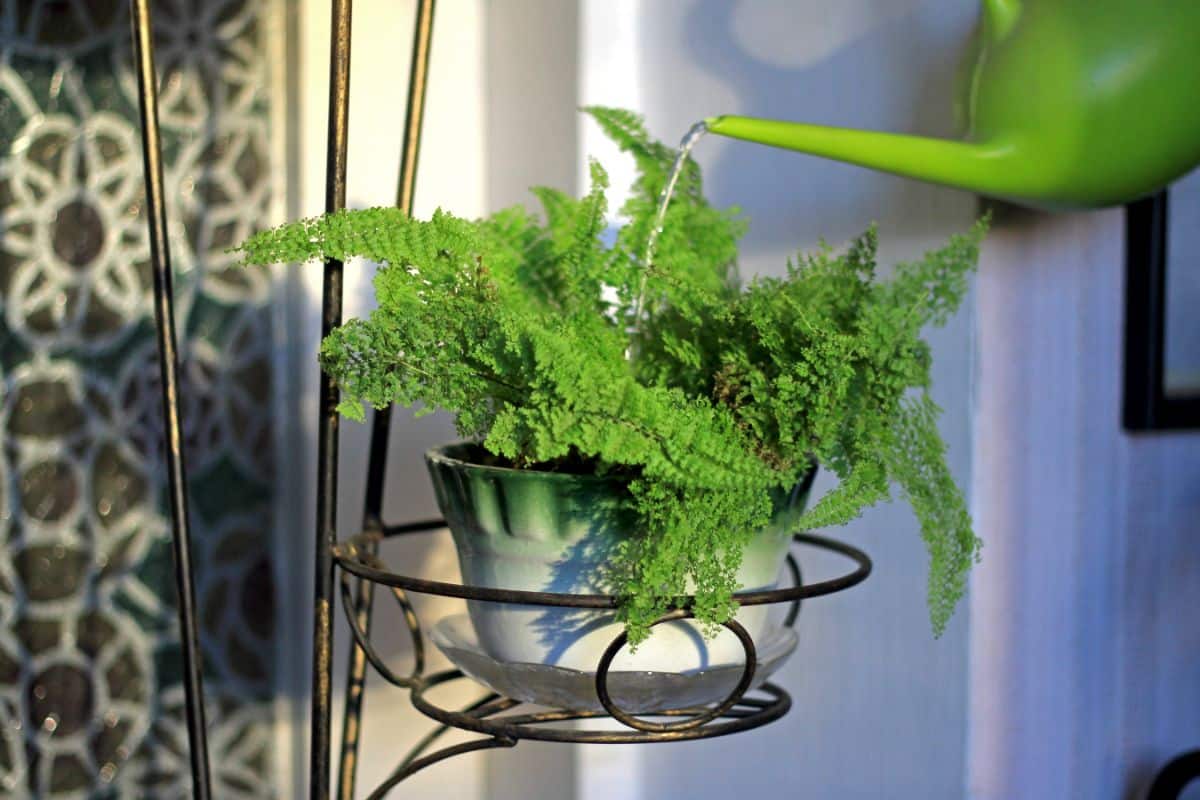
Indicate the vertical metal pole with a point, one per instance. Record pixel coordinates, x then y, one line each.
381 424
168 365
418 82
327 431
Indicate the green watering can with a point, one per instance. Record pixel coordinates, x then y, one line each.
1066 103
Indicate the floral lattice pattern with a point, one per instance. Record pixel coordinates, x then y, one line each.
91 701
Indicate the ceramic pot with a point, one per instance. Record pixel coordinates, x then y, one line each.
550 532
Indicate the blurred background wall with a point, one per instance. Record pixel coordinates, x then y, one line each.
91 699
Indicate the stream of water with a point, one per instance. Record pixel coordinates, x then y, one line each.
664 199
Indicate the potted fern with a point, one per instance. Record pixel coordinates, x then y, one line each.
644 428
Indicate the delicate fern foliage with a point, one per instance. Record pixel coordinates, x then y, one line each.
509 323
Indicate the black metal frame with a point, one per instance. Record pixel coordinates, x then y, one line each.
497 718
1147 407
168 366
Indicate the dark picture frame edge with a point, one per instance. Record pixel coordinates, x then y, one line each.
1146 406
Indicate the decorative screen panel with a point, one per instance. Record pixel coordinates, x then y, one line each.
91 698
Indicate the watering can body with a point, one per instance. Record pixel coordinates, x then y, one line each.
1064 103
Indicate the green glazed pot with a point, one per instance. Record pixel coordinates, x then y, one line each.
550 532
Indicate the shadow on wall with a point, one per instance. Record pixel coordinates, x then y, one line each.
822 80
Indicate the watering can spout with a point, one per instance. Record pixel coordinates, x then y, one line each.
988 168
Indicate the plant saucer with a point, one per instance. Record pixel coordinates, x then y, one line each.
635 691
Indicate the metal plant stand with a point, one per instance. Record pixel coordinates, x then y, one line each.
499 720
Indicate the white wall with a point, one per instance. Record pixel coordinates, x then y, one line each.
1084 641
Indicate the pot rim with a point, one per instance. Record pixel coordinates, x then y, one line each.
439 455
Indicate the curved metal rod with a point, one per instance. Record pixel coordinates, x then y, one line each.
356 674
410 619
349 554
525 726
797 580
363 640
1174 778
494 704
420 526
168 366
489 704
753 702
433 758
619 714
